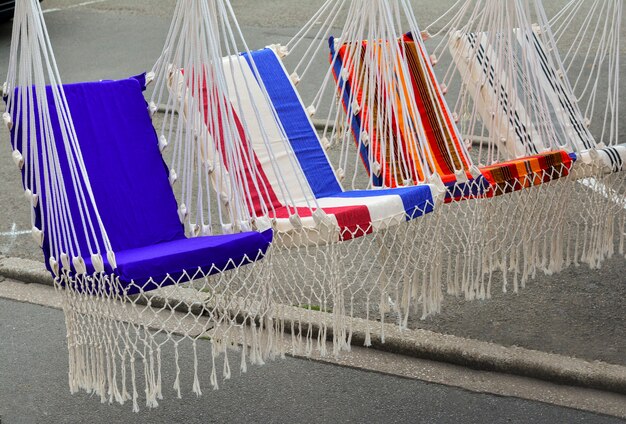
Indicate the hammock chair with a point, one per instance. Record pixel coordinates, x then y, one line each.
389 102
477 57
350 252
424 292
105 215
150 246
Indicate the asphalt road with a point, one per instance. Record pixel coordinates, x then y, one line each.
33 389
579 312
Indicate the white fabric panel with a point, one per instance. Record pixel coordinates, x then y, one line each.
613 157
284 225
258 117
381 208
385 211
486 97
570 118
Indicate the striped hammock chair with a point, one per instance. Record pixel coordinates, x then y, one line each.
296 159
388 111
337 250
505 110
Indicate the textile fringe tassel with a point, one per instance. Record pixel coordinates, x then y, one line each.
457 250
380 277
118 344
513 236
314 291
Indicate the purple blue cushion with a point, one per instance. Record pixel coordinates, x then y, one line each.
131 187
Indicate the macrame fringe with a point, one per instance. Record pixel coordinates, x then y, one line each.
116 344
544 229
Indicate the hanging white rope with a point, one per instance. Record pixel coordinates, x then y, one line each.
591 57
209 127
366 54
42 156
583 41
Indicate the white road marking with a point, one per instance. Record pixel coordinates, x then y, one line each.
12 236
603 190
14 233
85 3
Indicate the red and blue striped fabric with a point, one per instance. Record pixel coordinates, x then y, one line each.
311 182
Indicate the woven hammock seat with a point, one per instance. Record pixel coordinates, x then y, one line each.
493 180
135 277
349 214
133 195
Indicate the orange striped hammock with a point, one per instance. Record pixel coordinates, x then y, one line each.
389 141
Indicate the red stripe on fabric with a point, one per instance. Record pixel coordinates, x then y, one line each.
353 221
260 189
444 110
444 159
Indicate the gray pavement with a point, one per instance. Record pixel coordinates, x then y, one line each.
33 388
579 313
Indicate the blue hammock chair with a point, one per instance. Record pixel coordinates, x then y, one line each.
130 183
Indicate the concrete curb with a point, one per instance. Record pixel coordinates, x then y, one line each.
319 124
429 345
25 270
486 356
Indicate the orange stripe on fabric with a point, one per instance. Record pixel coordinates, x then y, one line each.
460 160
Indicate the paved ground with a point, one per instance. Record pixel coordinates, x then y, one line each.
578 313
33 388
